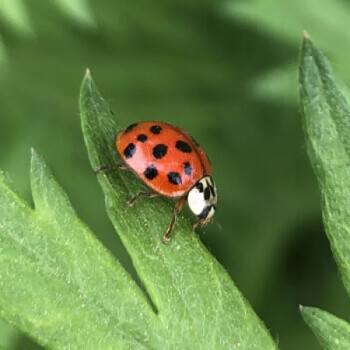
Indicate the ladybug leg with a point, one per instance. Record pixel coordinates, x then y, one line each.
195 225
199 222
132 201
120 165
178 207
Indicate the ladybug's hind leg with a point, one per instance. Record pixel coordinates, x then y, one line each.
120 165
132 201
178 207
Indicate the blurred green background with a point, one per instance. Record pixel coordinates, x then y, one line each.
226 71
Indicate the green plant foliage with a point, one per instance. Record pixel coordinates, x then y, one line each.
326 117
78 10
197 303
325 106
284 21
8 336
62 287
3 57
332 332
15 14
187 63
58 283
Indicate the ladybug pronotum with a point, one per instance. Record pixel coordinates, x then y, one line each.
171 163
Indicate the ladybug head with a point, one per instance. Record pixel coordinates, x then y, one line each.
202 199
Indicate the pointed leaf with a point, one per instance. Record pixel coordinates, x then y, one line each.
332 332
197 302
326 116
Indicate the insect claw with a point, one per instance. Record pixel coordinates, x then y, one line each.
129 204
165 239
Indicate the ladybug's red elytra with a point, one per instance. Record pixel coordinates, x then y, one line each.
171 163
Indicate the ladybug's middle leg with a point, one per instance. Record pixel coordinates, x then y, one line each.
178 207
120 165
132 201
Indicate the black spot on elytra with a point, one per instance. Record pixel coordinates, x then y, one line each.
151 172
183 146
130 150
155 129
188 168
130 127
159 151
199 185
175 178
142 138
207 193
212 191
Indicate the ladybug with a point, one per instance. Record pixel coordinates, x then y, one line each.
171 164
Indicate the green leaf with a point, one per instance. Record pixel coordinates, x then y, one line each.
15 13
57 282
198 305
325 109
79 11
283 21
332 332
326 118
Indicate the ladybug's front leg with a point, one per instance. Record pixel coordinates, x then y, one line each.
178 207
200 223
120 165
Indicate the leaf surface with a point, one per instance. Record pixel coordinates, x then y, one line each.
325 109
332 332
326 118
57 282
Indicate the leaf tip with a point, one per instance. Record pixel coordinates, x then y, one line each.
306 36
87 80
35 157
301 307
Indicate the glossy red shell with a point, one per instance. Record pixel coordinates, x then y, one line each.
168 149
